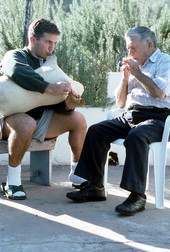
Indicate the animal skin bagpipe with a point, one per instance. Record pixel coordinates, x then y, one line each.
15 99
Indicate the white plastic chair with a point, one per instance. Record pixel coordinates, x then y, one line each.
1 125
159 150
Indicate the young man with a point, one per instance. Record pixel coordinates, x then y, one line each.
43 122
145 92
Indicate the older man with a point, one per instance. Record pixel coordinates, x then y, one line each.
44 122
145 92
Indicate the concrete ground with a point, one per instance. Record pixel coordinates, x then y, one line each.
48 221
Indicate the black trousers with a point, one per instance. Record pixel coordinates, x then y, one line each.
139 128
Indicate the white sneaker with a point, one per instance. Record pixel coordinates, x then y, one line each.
75 179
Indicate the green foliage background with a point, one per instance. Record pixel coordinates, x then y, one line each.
92 35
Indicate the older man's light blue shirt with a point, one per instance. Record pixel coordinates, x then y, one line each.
157 67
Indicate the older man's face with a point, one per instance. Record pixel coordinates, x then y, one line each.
139 50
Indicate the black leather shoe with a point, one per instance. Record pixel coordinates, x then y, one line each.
88 192
133 204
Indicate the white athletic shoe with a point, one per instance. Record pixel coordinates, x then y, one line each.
75 179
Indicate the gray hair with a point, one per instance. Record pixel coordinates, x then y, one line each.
144 33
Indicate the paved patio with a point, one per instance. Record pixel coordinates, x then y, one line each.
48 221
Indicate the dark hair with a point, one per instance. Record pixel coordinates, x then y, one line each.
39 26
144 33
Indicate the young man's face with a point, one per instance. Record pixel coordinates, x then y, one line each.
138 49
44 47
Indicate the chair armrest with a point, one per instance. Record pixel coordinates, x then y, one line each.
166 131
115 112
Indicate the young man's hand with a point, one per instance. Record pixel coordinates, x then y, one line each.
59 88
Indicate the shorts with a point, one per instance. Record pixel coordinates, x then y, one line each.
42 125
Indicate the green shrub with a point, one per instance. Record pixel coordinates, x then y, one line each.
12 15
85 49
11 25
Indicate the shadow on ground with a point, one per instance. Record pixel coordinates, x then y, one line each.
48 221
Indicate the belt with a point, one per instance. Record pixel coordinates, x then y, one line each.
141 107
137 106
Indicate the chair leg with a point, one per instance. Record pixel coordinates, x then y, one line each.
159 173
106 174
147 177
41 167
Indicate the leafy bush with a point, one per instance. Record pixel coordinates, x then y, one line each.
85 49
12 16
